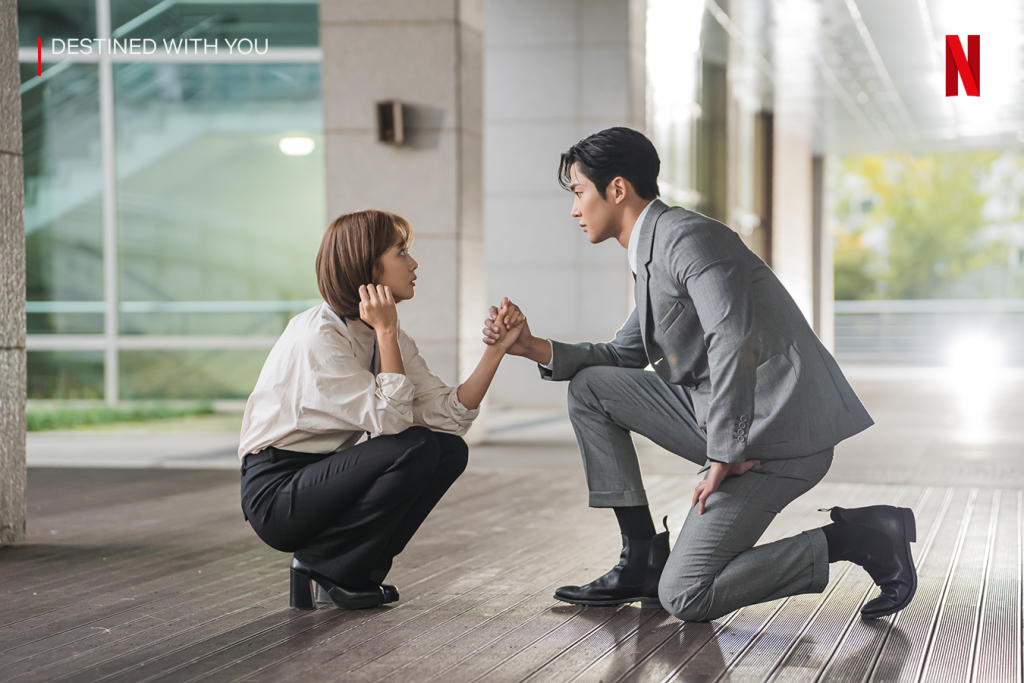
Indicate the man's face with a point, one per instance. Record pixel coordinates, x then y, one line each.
598 215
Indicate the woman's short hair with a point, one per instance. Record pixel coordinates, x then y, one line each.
350 255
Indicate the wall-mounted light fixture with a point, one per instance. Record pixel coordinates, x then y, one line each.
296 147
390 126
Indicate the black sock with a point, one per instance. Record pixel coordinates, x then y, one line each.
835 536
635 522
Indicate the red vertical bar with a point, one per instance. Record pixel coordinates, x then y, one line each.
39 57
952 78
974 60
958 64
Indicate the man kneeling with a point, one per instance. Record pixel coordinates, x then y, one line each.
740 384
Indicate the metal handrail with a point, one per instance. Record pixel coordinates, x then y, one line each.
173 306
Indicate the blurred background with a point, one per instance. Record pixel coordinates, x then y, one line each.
174 203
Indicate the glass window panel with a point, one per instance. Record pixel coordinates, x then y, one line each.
190 374
673 68
65 374
211 212
49 19
63 199
277 24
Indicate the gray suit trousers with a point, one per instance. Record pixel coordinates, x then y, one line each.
714 567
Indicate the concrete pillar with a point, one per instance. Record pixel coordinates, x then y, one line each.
797 243
12 285
428 55
823 281
555 72
792 224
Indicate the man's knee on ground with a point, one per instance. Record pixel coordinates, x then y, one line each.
688 603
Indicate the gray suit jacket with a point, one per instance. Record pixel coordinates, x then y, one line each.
713 317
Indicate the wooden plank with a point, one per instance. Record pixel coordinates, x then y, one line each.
907 645
857 651
955 628
680 653
997 653
547 553
282 604
476 588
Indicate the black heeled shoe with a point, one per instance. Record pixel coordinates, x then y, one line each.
303 578
322 598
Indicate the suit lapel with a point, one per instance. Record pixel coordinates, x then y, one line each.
644 255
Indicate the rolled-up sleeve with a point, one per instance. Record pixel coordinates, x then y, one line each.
347 396
435 404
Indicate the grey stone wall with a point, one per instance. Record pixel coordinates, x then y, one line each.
426 54
12 286
555 71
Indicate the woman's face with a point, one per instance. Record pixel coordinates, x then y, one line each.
398 271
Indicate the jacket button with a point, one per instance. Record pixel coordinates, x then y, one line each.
741 438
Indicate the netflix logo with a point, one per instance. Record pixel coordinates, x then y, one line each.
963 67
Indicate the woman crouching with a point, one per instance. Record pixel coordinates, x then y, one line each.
311 485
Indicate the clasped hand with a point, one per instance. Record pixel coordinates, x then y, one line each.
499 328
716 475
506 326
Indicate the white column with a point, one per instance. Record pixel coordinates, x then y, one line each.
427 55
555 72
792 229
111 296
794 247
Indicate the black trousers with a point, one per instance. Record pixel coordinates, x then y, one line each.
347 515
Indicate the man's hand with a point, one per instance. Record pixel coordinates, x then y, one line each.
516 321
716 475
492 333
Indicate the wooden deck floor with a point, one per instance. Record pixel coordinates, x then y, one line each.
152 575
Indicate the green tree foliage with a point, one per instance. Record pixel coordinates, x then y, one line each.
911 226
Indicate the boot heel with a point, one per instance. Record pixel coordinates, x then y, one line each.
650 603
910 524
301 591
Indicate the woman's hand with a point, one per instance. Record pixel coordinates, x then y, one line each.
716 475
514 322
377 308
497 325
471 392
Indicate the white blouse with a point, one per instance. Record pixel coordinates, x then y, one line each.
317 392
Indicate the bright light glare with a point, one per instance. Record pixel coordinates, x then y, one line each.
296 147
974 360
975 351
673 39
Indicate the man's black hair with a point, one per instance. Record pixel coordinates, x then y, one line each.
611 153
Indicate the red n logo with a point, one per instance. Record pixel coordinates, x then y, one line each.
968 68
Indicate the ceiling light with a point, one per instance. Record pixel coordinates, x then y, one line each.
296 147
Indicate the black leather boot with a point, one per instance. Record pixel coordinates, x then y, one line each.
611 590
878 539
302 579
